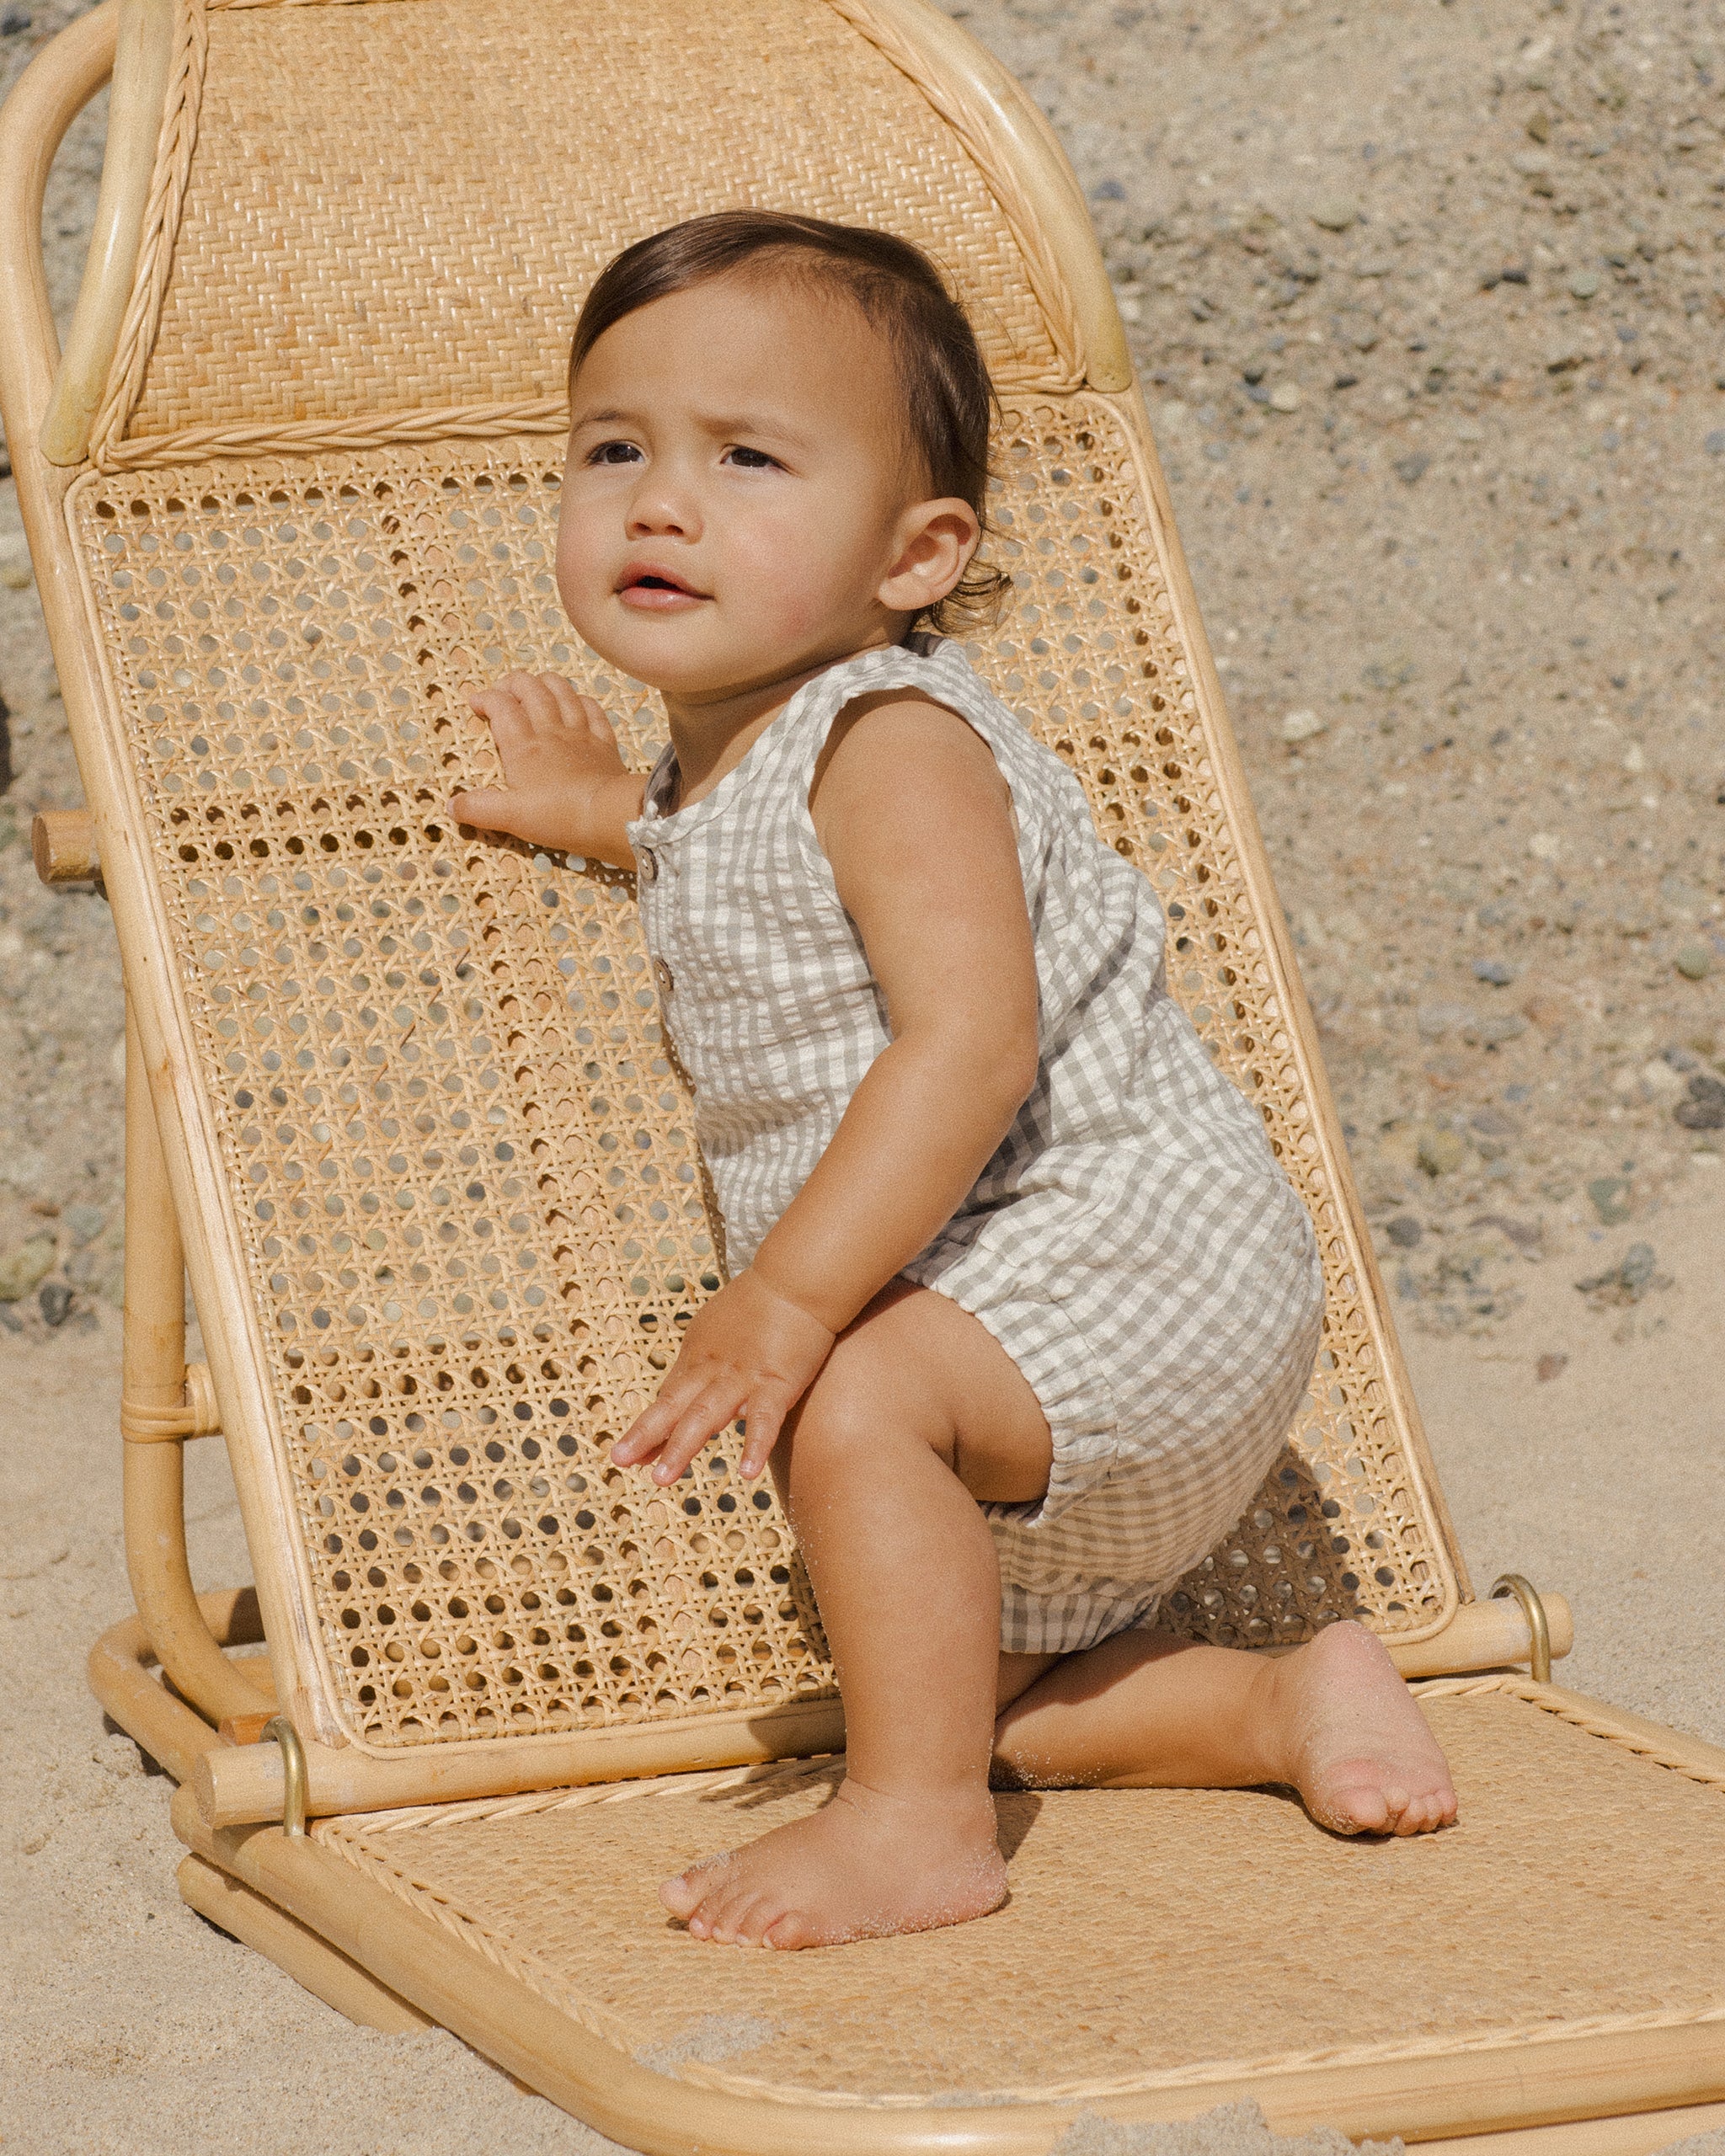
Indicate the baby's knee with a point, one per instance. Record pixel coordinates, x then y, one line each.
829 1432
853 1418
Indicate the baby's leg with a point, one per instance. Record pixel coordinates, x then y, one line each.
917 1414
1332 1720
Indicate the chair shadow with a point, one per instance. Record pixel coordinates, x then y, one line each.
1301 1513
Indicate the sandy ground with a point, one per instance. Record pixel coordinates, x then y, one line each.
133 2027
1426 295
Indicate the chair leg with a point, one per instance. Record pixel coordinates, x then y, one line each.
310 1961
153 1390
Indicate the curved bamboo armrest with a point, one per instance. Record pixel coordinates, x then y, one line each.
142 58
1061 209
46 100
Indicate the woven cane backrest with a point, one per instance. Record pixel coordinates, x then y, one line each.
460 1182
392 207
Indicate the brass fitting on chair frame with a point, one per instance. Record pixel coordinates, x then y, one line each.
1538 1630
293 1775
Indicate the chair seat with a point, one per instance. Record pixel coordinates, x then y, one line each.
1561 1950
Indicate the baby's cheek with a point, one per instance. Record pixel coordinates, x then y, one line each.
583 580
793 587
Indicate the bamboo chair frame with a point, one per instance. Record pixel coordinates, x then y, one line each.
384 1960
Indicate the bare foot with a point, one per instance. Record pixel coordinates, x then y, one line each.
865 1866
1355 1745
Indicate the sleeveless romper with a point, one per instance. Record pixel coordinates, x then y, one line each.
1132 1245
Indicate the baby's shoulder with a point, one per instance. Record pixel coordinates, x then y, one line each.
902 740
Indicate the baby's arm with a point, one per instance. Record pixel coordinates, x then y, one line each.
565 784
915 818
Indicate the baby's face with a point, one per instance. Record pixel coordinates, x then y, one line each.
737 490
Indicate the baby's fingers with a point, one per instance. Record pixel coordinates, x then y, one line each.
765 1419
497 704
714 1410
521 706
536 696
670 1433
487 809
654 1425
582 712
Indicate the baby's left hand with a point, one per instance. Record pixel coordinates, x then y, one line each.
751 1352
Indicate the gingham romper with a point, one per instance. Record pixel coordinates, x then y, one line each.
1133 1244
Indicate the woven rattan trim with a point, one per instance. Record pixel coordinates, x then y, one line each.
459 1158
545 416
971 120
1574 1710
1336 1934
323 245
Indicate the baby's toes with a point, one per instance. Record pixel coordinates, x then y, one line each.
1408 1814
749 1920
1398 1803
684 1895
725 1911
1433 1809
1354 1802
788 1930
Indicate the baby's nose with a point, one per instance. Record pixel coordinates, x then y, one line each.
663 510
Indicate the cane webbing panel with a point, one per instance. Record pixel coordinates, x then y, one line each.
462 1163
471 1209
1580 1892
396 207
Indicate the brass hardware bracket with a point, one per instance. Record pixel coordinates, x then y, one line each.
1539 1632
293 1775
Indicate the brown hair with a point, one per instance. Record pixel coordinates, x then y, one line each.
949 399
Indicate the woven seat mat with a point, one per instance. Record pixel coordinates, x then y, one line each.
1152 1938
459 1163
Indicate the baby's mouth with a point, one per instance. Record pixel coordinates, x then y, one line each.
657 591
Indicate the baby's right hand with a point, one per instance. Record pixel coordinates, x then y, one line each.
564 786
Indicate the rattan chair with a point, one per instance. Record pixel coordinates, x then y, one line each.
399 1094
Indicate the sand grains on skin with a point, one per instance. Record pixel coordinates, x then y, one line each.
1346 1733
1357 1746
868 1865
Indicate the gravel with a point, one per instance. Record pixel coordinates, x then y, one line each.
61 1011
1486 546
1427 302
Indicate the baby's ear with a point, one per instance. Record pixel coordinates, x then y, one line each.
935 541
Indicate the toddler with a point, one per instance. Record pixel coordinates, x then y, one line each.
1020 1305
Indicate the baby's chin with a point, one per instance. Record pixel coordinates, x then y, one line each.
670 652
685 655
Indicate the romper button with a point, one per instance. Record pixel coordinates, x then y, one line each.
663 975
646 866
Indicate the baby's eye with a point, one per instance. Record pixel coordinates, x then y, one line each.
751 460
614 452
